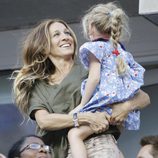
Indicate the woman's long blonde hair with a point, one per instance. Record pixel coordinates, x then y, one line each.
108 19
36 63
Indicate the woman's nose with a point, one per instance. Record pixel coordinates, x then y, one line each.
64 36
42 149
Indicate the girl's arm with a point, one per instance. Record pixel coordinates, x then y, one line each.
92 82
93 79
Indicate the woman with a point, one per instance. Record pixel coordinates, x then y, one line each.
30 146
47 88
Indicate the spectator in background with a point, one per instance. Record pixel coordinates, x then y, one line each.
149 147
30 146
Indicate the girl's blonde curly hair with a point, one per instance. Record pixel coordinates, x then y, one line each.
112 20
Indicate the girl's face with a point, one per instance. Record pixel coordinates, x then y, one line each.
34 148
62 41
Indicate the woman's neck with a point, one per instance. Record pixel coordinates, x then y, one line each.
61 63
63 67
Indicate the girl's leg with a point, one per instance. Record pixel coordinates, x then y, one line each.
76 137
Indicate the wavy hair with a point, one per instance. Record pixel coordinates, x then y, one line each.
36 63
108 19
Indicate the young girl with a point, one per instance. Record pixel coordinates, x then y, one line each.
114 76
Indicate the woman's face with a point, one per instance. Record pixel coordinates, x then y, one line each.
62 40
30 150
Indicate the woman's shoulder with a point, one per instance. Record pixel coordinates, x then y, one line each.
39 88
40 84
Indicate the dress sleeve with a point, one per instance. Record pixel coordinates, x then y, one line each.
96 48
136 70
36 102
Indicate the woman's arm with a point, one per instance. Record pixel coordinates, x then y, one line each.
121 110
51 121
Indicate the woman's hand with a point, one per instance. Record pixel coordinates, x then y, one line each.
98 122
119 113
120 110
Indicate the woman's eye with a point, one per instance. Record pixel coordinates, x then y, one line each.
56 34
68 33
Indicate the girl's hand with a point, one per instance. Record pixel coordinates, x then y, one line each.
76 110
119 113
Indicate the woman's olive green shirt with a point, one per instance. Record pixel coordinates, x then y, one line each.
60 99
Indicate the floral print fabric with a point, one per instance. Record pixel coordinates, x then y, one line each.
112 87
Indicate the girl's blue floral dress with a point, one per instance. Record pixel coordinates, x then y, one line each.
112 87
